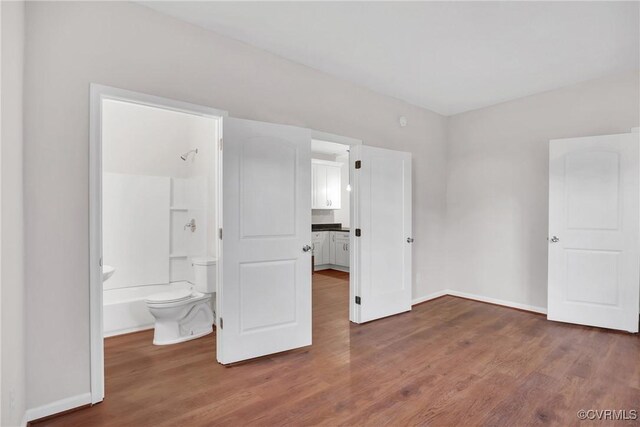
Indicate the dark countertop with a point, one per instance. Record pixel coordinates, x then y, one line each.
329 227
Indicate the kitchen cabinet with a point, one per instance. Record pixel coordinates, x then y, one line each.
341 249
326 191
320 247
330 249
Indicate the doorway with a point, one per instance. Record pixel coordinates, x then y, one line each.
158 212
153 212
330 222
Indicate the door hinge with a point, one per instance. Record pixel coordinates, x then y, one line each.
358 232
220 233
220 144
358 300
221 323
100 262
358 164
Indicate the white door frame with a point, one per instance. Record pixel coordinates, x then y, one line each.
353 243
98 93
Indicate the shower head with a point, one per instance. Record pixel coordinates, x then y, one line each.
185 156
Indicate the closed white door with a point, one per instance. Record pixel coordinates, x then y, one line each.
594 216
382 216
265 295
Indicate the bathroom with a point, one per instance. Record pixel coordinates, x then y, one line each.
159 221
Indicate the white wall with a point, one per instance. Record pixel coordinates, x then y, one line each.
72 44
497 183
142 140
136 229
12 237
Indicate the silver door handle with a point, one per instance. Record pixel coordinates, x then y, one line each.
306 248
191 225
409 240
554 239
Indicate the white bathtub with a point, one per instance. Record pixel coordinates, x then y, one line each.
125 310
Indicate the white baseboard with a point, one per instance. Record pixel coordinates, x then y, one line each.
331 267
58 406
128 330
532 308
429 297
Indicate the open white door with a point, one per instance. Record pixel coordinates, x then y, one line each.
594 257
265 294
381 232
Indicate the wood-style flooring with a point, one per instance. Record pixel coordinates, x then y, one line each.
449 362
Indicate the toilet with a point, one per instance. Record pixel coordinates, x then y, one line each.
185 314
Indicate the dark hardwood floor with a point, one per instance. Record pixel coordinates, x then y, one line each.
449 362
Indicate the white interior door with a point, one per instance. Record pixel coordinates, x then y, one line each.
594 221
381 260
265 294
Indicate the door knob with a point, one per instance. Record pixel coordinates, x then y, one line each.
191 225
409 240
306 248
554 239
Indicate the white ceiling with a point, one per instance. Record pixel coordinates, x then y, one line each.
448 57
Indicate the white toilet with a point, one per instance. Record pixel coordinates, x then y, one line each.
185 314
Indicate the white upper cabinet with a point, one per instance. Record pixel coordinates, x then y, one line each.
334 193
326 189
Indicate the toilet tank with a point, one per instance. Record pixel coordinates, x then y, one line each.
205 271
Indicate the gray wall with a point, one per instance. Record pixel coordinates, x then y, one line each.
69 46
12 241
497 182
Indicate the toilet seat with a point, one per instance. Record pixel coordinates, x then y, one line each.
175 298
170 296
